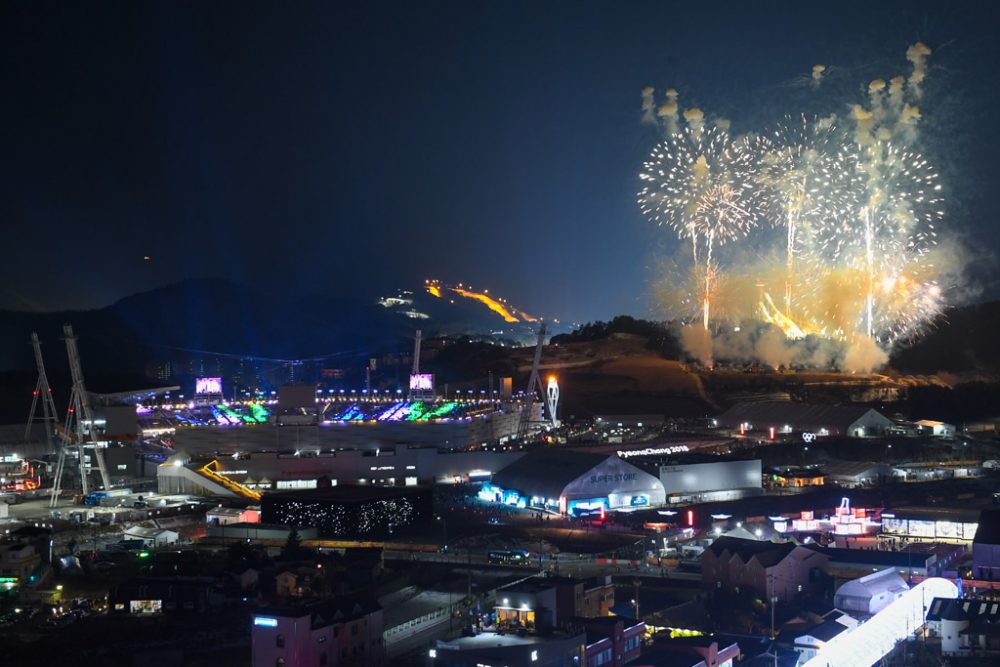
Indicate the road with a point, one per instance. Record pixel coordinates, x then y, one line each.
564 564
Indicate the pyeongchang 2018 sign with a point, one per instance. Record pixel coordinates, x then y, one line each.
617 477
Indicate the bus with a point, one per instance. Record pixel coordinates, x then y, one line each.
515 557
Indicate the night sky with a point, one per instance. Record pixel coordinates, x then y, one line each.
358 147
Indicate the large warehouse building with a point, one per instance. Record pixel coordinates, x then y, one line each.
573 483
703 477
821 420
399 466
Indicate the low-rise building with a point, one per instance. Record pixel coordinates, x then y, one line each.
544 603
700 651
852 563
343 631
936 428
611 640
18 561
870 594
807 643
154 595
986 547
151 537
224 516
853 474
258 531
795 477
966 627
786 417
783 570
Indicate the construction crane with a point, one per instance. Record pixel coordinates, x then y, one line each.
43 393
50 418
80 415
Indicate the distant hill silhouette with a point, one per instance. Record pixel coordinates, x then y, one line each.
964 340
221 317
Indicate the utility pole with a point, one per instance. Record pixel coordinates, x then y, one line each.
637 582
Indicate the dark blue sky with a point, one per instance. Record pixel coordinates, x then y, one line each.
334 147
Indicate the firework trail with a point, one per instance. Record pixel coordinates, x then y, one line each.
860 214
701 184
800 162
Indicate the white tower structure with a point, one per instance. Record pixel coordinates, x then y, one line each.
535 380
534 385
552 400
80 418
416 354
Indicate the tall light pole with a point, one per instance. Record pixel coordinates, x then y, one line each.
774 601
444 525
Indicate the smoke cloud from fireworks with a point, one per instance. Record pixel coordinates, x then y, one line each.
862 264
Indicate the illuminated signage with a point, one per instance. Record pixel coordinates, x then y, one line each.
266 622
422 382
208 385
617 477
652 451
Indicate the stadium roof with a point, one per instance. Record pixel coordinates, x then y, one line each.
779 413
546 472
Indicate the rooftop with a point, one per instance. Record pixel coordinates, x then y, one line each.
961 609
344 493
546 472
767 553
772 413
895 559
873 585
327 612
